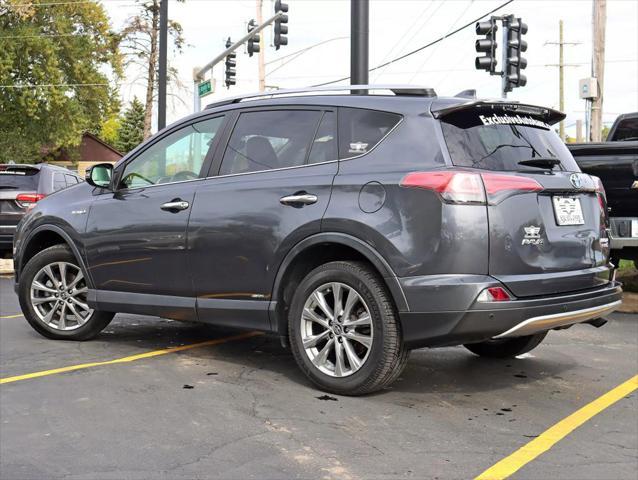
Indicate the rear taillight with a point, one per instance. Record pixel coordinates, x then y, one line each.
600 194
471 188
454 187
28 200
494 294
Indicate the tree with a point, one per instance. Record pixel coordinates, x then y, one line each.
131 130
140 44
56 64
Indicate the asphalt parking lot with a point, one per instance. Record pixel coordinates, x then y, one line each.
239 408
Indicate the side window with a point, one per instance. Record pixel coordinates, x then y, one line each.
324 146
70 180
175 158
360 130
58 182
270 139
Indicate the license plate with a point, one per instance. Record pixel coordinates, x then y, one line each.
568 211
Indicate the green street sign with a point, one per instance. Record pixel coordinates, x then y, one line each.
204 88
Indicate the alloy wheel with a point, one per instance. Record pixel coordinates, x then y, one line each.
58 295
336 329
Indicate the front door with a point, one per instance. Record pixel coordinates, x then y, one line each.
136 235
272 190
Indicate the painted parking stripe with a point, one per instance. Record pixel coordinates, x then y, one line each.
132 358
12 316
556 433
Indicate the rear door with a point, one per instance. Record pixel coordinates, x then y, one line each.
268 191
547 224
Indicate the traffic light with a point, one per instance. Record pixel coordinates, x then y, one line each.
253 42
486 45
514 61
231 63
281 25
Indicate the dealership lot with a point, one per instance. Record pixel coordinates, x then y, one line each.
238 407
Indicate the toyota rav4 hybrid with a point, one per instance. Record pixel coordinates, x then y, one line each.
356 227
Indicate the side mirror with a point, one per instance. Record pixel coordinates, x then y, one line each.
99 175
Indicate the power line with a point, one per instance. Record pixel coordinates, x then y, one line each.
440 39
48 85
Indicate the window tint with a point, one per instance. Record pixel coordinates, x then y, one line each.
500 146
175 158
627 129
58 182
324 146
16 178
267 140
360 130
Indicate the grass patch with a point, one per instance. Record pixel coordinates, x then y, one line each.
628 275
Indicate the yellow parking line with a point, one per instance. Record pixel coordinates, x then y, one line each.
553 435
12 316
132 358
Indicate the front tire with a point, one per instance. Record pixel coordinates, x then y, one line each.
344 332
53 296
506 347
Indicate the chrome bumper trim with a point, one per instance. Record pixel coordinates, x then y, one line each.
547 322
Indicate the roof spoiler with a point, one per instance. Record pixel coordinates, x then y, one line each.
549 115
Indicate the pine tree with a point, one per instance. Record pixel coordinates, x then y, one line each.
131 131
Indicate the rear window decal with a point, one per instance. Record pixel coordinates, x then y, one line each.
512 120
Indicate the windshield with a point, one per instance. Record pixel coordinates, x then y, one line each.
19 178
492 141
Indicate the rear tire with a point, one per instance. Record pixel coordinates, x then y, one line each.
52 294
340 362
506 347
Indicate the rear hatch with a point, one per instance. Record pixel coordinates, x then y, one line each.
547 224
15 181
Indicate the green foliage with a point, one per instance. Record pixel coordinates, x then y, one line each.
45 52
131 130
604 133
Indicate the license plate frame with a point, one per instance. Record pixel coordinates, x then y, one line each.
568 210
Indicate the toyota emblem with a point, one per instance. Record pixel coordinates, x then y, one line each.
575 179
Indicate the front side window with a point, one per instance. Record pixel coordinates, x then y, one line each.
177 157
361 130
270 139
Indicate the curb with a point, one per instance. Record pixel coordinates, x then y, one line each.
6 267
629 303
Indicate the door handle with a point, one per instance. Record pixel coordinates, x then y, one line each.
299 199
175 205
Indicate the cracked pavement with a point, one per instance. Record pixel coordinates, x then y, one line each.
252 414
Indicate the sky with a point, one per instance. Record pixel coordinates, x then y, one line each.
396 27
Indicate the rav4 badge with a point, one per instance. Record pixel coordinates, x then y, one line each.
532 236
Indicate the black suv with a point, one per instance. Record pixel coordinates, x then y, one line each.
21 186
357 227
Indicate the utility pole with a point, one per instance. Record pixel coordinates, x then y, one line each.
161 88
262 51
359 33
598 67
579 131
561 74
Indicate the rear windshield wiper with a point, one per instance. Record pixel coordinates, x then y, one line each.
548 163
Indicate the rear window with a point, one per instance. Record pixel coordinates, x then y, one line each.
626 130
12 178
494 141
361 130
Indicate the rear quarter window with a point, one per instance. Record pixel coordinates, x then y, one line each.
361 130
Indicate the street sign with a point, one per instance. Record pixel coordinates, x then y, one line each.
204 88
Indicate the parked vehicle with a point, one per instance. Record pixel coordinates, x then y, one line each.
615 162
356 227
21 186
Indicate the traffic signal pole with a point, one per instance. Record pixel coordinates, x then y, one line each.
262 51
359 33
198 75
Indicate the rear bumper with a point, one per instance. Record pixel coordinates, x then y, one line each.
477 322
622 234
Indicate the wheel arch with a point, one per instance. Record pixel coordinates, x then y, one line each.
45 236
317 250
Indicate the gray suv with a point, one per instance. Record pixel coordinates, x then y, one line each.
356 227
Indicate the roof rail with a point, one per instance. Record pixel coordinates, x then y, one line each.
398 90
